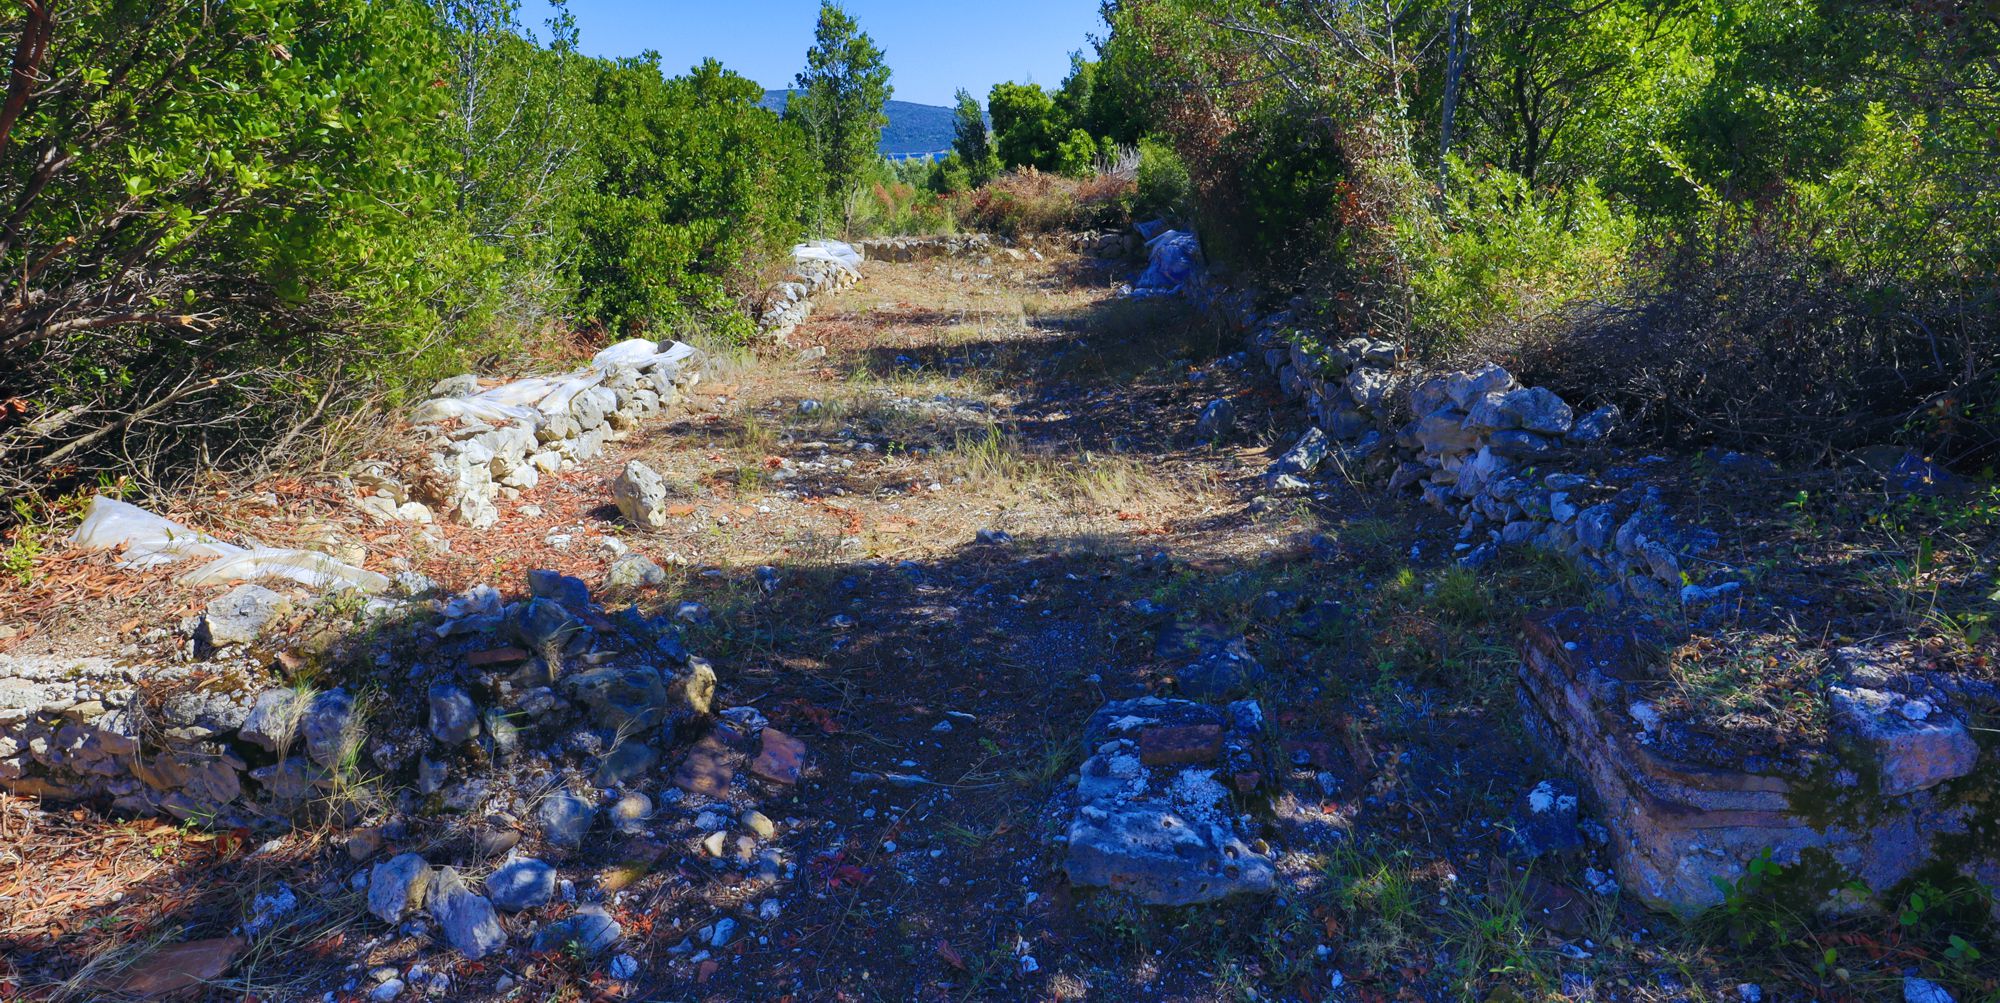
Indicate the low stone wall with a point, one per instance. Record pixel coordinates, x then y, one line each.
83 729
1517 465
1894 792
791 301
479 450
1105 245
908 249
226 743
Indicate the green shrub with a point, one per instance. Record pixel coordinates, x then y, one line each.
1504 259
320 206
1030 201
1164 187
1077 154
695 186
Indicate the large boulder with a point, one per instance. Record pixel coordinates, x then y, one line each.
454 717
1154 819
468 920
523 883
565 819
329 728
1162 856
1537 409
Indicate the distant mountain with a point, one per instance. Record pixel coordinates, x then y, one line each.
913 129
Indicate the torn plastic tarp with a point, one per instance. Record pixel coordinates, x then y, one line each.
1173 265
557 400
840 254
631 352
309 568
479 409
145 540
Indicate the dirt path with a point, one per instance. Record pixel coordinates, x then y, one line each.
959 515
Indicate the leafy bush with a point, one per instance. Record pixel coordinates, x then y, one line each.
1163 186
1024 125
1505 260
233 225
1767 222
212 225
695 186
889 206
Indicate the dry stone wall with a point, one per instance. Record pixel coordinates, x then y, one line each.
1517 465
908 249
1899 788
483 446
217 738
213 736
818 268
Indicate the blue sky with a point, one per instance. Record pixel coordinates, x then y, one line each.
934 46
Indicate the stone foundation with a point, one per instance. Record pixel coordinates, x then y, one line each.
1900 789
225 744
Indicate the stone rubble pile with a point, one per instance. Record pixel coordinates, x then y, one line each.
1105 245
545 729
1153 804
225 741
1109 245
485 446
143 739
1506 459
818 267
1894 790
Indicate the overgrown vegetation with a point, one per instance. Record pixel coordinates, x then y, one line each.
226 226
1767 223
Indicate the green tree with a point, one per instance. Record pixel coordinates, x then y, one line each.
696 185
841 94
1076 154
214 215
1074 98
1023 125
515 131
970 139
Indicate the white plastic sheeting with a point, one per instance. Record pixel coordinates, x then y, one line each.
834 251
556 400
1174 264
144 540
479 409
309 568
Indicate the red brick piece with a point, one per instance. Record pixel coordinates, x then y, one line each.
779 758
1172 745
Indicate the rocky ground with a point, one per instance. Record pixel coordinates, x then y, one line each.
998 607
